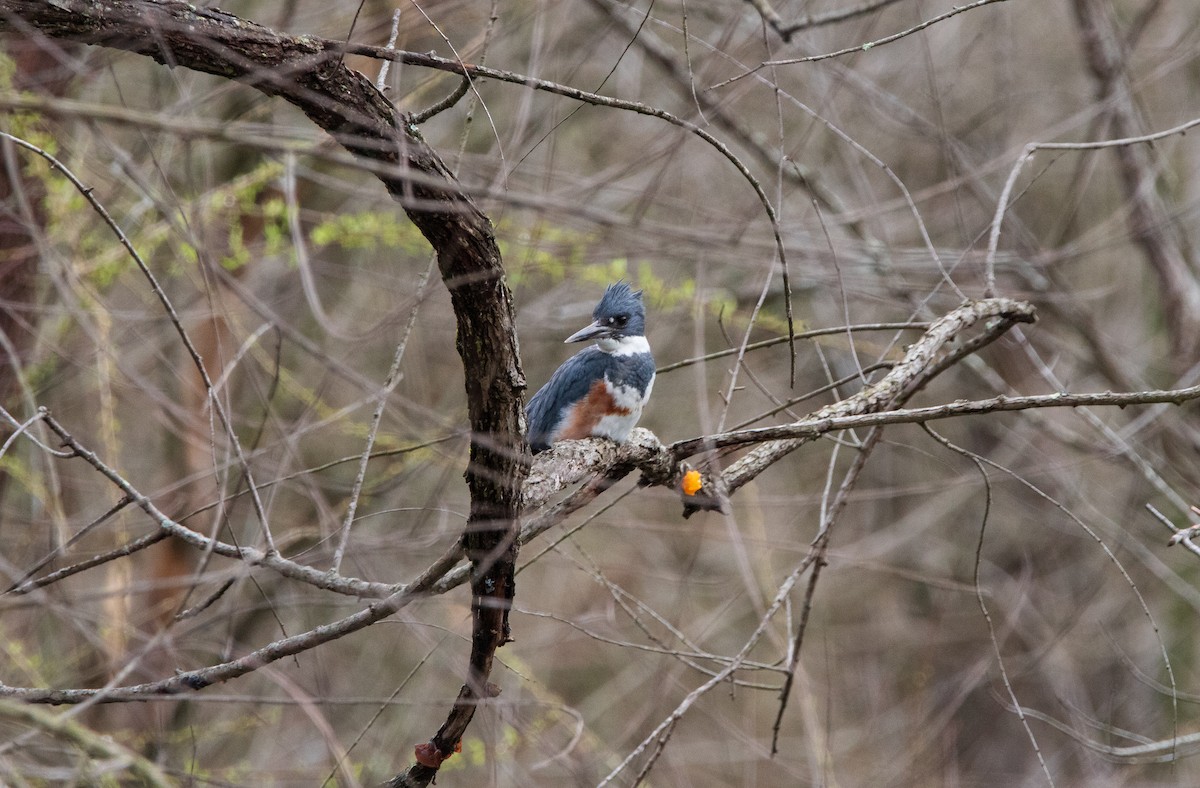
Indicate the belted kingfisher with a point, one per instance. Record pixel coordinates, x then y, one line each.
601 390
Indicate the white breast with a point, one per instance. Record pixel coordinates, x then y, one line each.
618 427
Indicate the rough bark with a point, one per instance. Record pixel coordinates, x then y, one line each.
309 73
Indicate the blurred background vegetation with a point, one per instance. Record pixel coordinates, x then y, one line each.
298 279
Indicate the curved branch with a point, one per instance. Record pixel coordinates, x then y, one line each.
309 74
307 71
214 674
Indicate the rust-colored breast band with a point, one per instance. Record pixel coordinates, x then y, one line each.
586 413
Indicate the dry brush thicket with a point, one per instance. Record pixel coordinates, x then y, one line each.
931 546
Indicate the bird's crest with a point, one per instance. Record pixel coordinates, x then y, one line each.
619 298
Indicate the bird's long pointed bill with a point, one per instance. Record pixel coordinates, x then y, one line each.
590 332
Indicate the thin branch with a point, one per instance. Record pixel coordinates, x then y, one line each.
215 401
980 596
862 47
96 746
1151 226
1120 567
794 655
695 695
815 554
811 333
715 111
879 396
1003 204
444 104
1162 751
815 426
23 584
381 80
389 385
129 548
225 671
341 585
816 557
1178 535
250 555
786 30
280 141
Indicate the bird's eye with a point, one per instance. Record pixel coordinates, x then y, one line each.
619 321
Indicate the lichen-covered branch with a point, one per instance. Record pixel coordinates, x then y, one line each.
924 359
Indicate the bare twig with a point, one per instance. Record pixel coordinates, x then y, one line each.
1161 751
816 426
863 47
444 104
1112 558
1190 532
982 602
23 584
252 556
794 654
169 308
225 671
28 583
815 555
713 110
816 332
381 80
786 29
389 385
1003 204
95 745
876 397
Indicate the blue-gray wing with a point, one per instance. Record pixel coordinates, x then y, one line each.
569 384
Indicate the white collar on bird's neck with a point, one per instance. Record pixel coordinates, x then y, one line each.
624 346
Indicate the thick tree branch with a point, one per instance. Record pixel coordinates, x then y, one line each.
306 73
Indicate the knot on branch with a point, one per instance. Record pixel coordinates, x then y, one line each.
427 754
